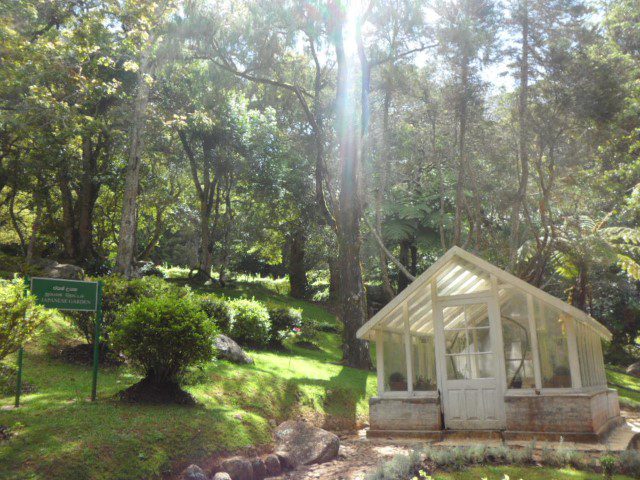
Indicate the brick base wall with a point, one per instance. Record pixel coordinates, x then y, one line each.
406 414
581 413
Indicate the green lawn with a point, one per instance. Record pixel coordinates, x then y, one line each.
61 435
628 386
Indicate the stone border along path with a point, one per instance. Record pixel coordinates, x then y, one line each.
359 455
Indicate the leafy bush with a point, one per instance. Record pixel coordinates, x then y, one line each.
218 310
164 335
118 293
251 325
20 317
283 322
608 464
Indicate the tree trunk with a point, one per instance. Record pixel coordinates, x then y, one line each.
514 239
383 166
334 279
462 160
297 270
352 295
206 259
129 219
68 213
87 196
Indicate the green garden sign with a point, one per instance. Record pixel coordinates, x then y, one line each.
74 295
65 294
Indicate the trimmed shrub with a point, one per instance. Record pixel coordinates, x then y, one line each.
165 335
283 322
218 310
118 293
20 317
251 325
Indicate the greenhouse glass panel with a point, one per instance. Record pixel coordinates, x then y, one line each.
460 277
423 358
552 345
516 334
395 362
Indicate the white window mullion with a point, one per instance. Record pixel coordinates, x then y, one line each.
407 346
537 372
574 362
380 360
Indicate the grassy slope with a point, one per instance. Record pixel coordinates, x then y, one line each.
61 435
628 386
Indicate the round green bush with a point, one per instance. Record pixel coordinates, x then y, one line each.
218 310
251 325
164 335
117 294
283 322
20 317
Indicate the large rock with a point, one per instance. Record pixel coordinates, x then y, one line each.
221 476
228 349
259 469
238 468
272 464
299 443
53 269
193 472
634 369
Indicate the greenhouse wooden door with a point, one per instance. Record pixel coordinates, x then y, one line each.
469 363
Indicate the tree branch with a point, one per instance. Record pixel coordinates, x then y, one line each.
386 251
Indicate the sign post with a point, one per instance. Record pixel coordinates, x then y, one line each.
20 355
69 295
96 345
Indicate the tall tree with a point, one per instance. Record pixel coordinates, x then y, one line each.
146 33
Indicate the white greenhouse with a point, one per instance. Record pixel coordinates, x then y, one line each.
468 346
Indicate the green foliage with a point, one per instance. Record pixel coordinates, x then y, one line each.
283 322
118 293
608 464
219 311
165 335
251 325
20 317
400 467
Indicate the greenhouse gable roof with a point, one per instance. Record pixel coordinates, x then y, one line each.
480 270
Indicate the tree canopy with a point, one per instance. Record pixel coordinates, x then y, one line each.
358 139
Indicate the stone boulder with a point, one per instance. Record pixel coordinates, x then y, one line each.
259 469
634 369
228 349
238 468
300 443
193 472
272 465
221 476
53 269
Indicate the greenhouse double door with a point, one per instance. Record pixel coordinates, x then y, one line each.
469 363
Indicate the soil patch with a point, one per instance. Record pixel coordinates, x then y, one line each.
146 391
82 354
5 434
307 345
8 380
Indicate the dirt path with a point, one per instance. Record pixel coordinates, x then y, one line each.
357 457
